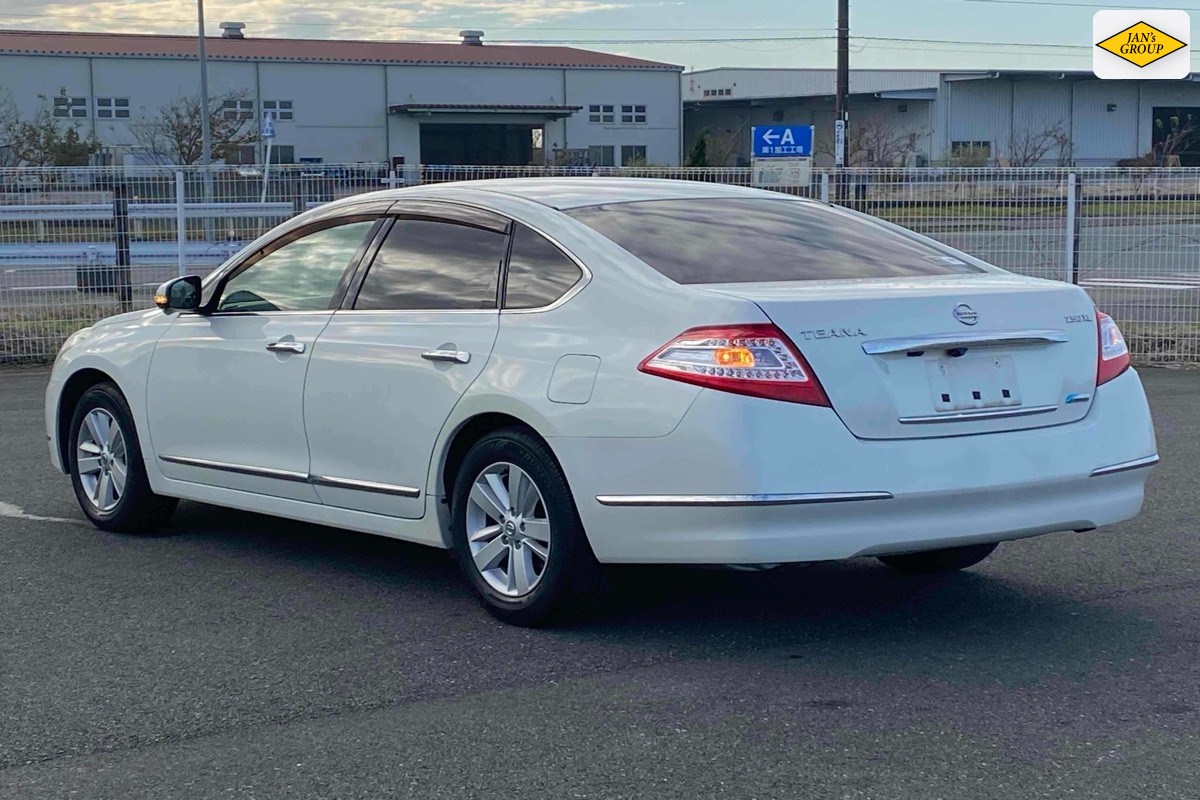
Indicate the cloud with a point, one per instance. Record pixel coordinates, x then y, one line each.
410 20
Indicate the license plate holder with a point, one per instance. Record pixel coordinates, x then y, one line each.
973 382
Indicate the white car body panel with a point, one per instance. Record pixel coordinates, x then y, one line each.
216 394
360 375
728 478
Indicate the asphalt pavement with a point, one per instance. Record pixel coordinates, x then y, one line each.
238 656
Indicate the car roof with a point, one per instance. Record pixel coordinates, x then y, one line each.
566 193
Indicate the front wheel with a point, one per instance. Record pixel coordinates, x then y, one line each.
950 559
517 533
107 471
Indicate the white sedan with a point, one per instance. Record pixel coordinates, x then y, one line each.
546 375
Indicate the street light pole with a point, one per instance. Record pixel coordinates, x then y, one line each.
205 133
842 92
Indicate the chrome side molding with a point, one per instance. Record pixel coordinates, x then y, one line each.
709 500
983 413
241 469
297 477
947 341
363 486
1125 466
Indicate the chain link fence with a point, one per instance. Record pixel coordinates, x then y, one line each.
79 244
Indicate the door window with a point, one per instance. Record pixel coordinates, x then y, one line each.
302 275
428 264
538 272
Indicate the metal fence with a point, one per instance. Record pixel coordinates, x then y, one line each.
78 244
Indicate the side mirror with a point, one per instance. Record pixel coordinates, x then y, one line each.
179 294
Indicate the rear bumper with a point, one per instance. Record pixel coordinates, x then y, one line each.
743 480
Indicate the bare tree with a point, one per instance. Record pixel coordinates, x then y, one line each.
1178 134
873 142
722 146
41 140
1028 147
173 134
10 119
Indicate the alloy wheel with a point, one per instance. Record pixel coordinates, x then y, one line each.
508 530
101 460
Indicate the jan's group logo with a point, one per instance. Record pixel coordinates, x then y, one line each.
1141 43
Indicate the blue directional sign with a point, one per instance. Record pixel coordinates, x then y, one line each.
268 126
782 141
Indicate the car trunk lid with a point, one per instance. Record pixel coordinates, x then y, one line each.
940 356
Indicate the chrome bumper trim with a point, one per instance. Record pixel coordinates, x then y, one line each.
364 486
709 500
1125 466
985 414
949 341
241 469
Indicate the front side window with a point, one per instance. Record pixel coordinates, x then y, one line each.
633 115
718 240
633 155
538 272
281 110
427 264
302 275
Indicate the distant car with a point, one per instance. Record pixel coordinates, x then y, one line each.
545 375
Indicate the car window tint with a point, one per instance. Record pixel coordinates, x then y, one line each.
538 272
742 240
429 264
300 276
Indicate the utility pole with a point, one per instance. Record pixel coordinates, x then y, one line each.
843 90
205 133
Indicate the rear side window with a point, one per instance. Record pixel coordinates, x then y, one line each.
538 272
738 241
433 264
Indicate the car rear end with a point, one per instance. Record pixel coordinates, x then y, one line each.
894 396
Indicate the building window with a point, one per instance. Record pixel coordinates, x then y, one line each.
634 154
112 107
633 115
966 147
280 109
600 155
75 107
601 114
283 154
708 92
238 109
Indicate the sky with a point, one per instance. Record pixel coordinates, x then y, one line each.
697 34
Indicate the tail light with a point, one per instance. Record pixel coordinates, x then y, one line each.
752 359
1114 353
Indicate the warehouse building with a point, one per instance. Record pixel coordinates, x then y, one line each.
916 117
360 101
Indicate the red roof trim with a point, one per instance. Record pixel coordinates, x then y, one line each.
316 50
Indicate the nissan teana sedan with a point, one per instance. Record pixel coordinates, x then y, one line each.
545 376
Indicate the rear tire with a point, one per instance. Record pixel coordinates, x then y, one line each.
517 533
107 470
930 562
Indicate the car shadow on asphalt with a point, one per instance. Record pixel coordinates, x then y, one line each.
854 617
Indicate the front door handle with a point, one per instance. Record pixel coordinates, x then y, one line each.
286 347
455 356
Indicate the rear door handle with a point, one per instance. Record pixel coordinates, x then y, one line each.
286 347
455 356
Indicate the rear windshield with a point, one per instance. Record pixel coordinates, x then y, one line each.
749 240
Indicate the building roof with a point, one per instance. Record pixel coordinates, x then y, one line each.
343 51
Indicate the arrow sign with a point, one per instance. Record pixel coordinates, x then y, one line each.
782 141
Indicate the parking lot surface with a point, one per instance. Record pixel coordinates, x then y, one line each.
239 656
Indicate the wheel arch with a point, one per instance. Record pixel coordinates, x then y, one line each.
459 443
74 388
